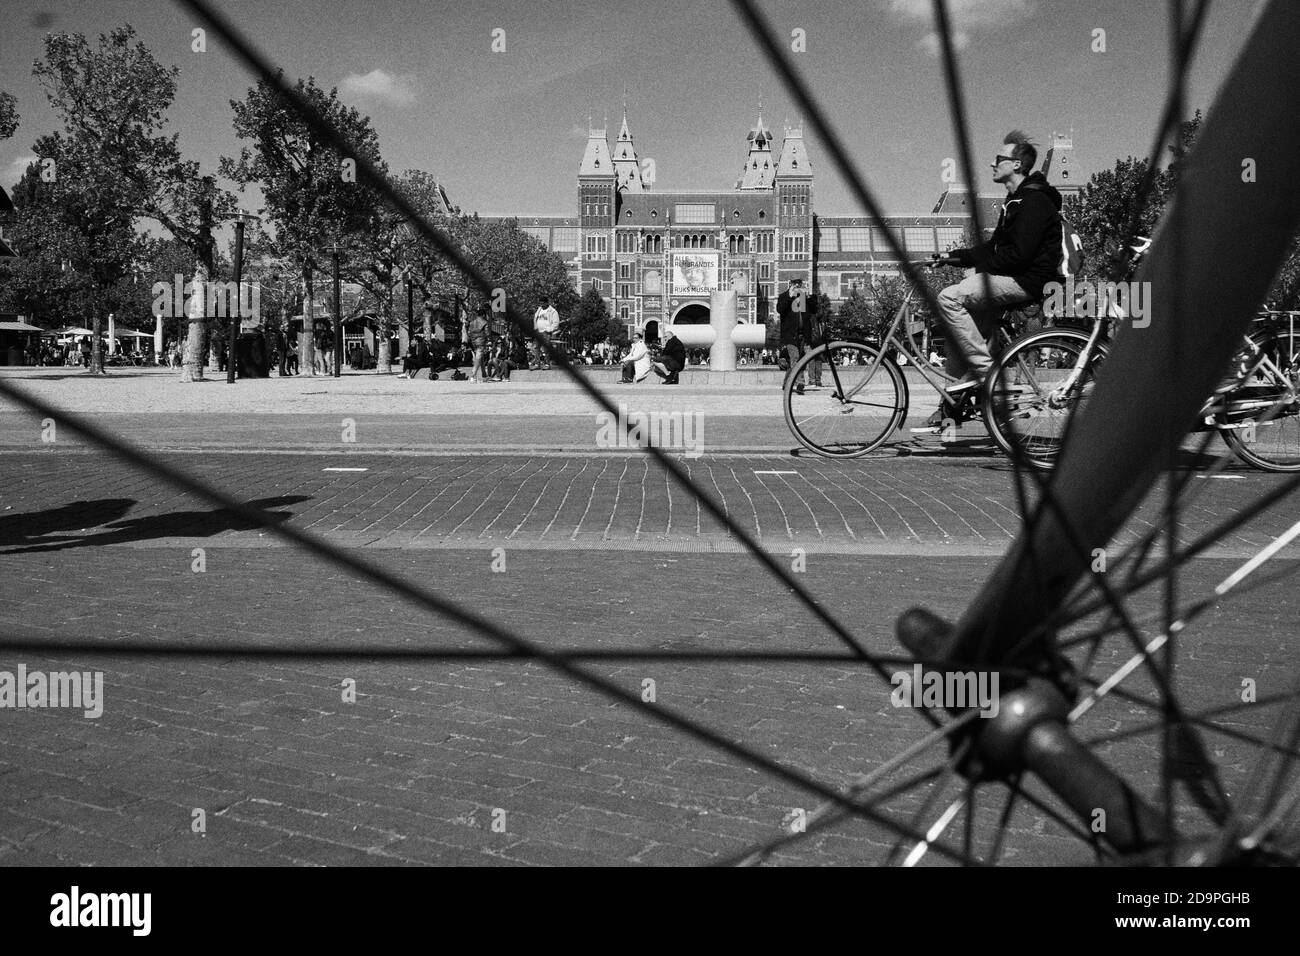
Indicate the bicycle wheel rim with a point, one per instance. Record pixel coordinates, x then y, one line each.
1027 407
855 410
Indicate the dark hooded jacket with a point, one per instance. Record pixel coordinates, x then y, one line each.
1026 245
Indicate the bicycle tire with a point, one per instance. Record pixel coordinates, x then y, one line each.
1018 373
1279 451
820 420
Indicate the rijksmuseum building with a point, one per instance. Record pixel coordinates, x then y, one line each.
657 257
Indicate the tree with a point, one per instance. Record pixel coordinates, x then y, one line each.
587 324
310 190
853 320
518 264
8 115
1105 207
423 265
112 165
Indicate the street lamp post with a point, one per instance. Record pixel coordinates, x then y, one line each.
410 309
233 343
338 314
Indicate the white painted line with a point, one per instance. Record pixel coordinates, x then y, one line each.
345 469
776 472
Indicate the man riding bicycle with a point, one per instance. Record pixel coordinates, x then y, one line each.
1011 268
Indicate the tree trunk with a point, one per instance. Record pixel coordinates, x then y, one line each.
214 354
383 348
196 311
192 363
96 353
306 353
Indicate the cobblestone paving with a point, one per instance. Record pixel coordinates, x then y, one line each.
62 498
601 555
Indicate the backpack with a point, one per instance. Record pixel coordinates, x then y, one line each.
1071 248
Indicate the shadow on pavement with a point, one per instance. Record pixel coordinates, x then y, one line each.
102 522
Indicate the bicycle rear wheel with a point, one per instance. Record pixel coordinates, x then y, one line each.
1260 420
859 406
1027 404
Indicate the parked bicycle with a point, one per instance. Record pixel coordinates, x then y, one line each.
1043 379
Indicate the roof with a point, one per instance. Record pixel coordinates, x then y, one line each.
19 327
794 156
596 160
658 209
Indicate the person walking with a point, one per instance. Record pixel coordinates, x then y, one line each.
478 340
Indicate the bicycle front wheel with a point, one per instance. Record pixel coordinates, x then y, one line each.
844 399
1034 391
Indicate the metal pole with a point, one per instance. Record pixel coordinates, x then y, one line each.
410 311
239 302
338 318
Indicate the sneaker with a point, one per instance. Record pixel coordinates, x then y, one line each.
934 424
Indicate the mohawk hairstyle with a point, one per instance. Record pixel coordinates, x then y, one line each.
1024 151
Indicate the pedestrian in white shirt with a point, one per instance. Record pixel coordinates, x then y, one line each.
636 364
545 320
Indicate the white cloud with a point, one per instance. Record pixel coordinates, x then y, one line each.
381 85
967 17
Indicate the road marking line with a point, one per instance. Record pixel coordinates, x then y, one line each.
775 472
345 469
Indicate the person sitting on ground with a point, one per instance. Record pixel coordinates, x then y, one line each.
417 357
672 359
498 366
636 364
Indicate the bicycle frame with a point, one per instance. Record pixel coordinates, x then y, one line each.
936 378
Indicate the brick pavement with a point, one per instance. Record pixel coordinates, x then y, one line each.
413 770
61 497
601 554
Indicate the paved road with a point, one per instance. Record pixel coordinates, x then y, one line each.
600 554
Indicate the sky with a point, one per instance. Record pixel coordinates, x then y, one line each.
504 130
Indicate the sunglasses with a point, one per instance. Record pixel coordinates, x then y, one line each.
999 159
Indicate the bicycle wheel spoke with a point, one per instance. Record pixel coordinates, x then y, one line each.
931 836
822 818
425 598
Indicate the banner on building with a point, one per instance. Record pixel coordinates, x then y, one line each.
695 273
